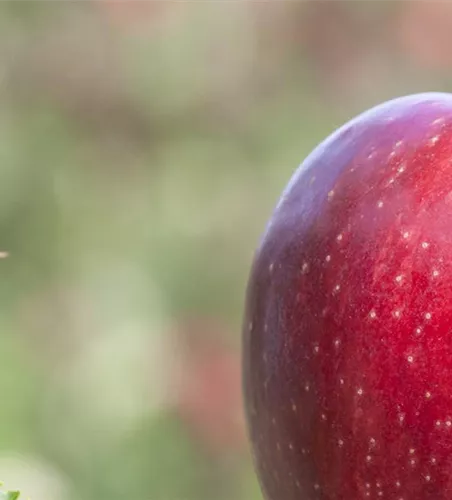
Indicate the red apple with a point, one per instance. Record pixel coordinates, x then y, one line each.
348 326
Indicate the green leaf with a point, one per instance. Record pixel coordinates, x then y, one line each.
12 495
9 495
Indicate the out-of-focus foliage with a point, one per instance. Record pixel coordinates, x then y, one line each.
143 146
10 495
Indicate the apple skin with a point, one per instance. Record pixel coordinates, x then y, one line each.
347 336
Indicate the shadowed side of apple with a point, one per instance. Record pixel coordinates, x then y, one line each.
347 340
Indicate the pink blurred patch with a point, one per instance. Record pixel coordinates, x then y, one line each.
130 14
424 31
210 398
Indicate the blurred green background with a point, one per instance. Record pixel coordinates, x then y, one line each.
143 146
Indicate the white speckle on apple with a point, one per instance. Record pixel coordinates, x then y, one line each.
397 483
401 169
339 237
380 204
359 391
397 313
427 477
410 359
434 140
337 343
438 423
372 442
406 235
373 314
340 442
448 423
425 245
341 381
271 267
428 395
428 316
435 273
316 349
411 451
305 267
306 387
368 458
316 486
399 278
290 446
337 288
328 258
433 460
323 416
330 195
